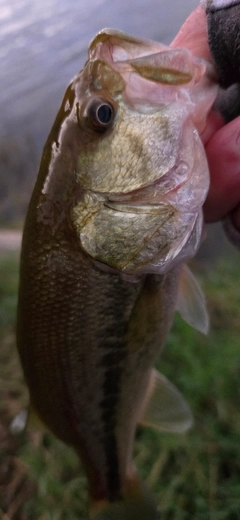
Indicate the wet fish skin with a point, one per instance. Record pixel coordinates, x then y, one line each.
81 340
93 314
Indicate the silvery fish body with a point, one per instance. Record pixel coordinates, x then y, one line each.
116 209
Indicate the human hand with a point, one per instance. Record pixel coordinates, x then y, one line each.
222 142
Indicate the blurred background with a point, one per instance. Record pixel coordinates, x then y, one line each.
197 475
42 46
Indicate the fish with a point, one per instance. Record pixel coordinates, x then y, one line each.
115 213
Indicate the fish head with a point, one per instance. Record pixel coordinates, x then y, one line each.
141 168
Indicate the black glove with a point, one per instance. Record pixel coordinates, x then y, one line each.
224 39
223 18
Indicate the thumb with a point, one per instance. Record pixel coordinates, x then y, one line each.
193 34
223 153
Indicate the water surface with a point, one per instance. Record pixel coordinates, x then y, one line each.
43 44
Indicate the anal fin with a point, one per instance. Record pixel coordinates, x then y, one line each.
165 408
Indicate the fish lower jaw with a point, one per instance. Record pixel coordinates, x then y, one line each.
136 263
138 207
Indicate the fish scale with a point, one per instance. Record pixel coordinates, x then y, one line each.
106 330
54 348
113 216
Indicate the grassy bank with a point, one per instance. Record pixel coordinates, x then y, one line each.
193 476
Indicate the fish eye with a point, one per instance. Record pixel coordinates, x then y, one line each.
104 114
101 114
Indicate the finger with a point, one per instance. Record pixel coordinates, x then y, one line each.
223 153
214 122
193 34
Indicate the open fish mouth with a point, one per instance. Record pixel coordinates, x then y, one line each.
145 178
145 64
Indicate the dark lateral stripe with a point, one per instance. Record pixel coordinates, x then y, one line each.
109 403
112 361
113 358
112 383
113 468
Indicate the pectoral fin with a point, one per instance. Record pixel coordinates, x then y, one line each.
165 408
191 303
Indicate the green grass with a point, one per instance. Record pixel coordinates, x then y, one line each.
193 476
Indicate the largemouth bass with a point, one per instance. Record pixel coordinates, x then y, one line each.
116 210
